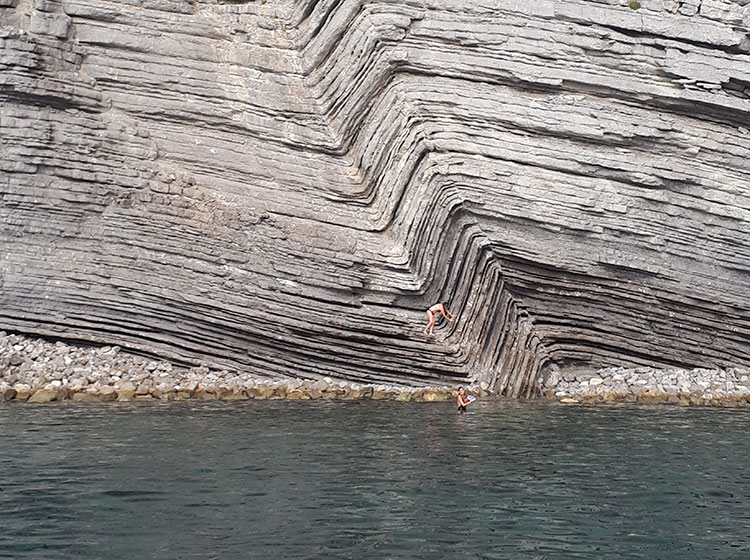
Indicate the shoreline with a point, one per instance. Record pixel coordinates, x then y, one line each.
683 387
36 370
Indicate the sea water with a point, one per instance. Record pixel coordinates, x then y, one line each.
380 480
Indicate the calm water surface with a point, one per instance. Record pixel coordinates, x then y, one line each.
363 480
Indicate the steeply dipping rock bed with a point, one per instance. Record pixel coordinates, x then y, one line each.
282 188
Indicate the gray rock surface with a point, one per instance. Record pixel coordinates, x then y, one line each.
730 387
83 375
282 188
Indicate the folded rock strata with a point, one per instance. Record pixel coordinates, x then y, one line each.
284 187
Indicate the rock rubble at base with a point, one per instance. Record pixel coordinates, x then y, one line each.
38 371
696 387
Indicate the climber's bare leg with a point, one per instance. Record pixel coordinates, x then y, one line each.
428 330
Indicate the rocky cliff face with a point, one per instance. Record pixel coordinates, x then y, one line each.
283 187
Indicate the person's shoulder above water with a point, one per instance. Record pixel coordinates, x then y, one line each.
462 400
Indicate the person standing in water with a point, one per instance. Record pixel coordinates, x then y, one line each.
432 313
462 400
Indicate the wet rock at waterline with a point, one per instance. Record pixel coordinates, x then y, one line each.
729 387
110 374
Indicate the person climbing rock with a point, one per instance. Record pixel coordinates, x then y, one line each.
431 315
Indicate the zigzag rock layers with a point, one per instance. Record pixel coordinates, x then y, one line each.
284 187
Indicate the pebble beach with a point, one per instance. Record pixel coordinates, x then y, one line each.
38 370
700 387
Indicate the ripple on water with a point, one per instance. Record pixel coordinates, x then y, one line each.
373 480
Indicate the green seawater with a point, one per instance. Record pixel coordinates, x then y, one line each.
373 480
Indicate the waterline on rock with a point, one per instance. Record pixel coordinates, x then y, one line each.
39 371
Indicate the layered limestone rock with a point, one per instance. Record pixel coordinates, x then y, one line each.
39 371
283 187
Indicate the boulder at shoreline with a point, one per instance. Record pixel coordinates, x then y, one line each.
40 371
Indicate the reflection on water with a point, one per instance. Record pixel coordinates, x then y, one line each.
361 480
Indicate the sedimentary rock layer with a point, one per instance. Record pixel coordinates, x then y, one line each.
284 187
40 371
